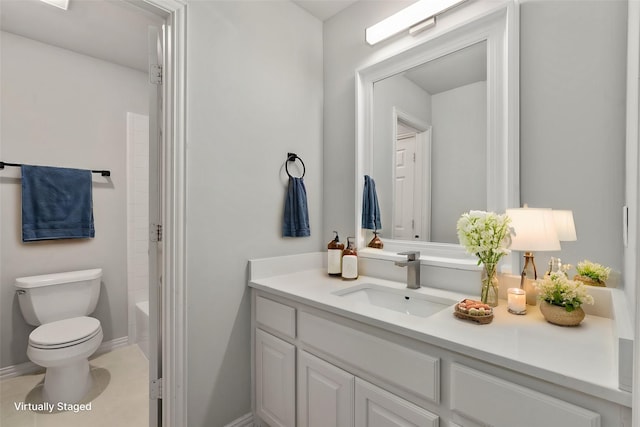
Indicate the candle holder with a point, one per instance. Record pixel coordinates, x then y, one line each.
516 301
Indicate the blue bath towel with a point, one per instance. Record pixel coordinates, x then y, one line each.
370 208
296 213
56 203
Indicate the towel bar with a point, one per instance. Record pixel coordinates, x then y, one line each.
101 172
292 157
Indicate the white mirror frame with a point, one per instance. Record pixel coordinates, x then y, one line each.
497 23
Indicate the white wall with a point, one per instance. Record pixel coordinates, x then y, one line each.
572 125
254 93
137 218
345 52
573 61
459 121
60 108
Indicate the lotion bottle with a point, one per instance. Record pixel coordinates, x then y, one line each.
350 261
334 256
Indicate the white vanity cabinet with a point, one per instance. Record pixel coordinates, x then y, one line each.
328 395
325 393
475 393
376 407
274 363
275 380
324 368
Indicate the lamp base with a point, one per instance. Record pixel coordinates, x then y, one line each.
528 276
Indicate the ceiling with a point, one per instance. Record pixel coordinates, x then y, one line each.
460 68
111 30
101 29
324 9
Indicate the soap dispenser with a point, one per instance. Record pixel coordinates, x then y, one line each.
350 261
334 256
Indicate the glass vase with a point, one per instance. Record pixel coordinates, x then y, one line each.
489 294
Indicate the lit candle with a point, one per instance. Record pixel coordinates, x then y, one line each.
516 301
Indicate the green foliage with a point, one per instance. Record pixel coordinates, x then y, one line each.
593 270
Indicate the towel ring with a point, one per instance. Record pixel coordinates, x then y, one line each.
292 157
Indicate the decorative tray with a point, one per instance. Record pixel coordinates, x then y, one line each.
473 310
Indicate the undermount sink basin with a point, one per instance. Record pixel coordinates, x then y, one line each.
401 300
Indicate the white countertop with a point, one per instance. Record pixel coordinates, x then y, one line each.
581 358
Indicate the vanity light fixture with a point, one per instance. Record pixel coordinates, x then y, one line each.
535 230
418 17
62 4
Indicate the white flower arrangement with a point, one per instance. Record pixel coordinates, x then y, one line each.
486 235
557 289
593 270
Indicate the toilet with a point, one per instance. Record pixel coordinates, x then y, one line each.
59 305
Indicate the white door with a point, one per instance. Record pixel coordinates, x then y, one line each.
379 408
156 47
275 380
405 157
412 192
325 393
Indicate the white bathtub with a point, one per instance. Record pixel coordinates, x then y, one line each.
142 326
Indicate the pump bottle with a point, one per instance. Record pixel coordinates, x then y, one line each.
350 261
334 256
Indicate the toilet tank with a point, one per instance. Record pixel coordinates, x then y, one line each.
58 296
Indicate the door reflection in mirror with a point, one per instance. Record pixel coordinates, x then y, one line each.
430 144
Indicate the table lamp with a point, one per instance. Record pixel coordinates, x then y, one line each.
566 228
534 230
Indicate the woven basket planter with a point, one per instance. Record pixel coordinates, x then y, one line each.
589 281
560 316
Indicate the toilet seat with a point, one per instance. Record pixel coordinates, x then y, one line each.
64 333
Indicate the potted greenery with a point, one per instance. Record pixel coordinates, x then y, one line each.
561 299
591 273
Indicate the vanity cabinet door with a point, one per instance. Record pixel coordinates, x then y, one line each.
275 380
379 408
325 393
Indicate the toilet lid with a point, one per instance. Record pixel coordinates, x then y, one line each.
64 333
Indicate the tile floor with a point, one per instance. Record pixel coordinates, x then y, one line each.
119 396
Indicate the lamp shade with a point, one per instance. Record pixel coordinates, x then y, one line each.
534 229
565 226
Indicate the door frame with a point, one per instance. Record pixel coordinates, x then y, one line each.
173 210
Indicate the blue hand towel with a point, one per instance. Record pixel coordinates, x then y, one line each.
56 203
296 214
370 208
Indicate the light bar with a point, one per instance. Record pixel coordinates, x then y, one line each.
406 18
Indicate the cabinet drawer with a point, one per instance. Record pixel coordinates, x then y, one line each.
395 364
279 317
474 395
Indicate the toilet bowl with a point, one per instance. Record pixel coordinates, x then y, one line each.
65 337
63 348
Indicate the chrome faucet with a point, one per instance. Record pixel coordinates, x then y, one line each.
413 268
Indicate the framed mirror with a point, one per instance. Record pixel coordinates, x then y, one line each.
437 130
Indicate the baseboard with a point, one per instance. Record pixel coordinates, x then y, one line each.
31 368
244 421
108 346
18 370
